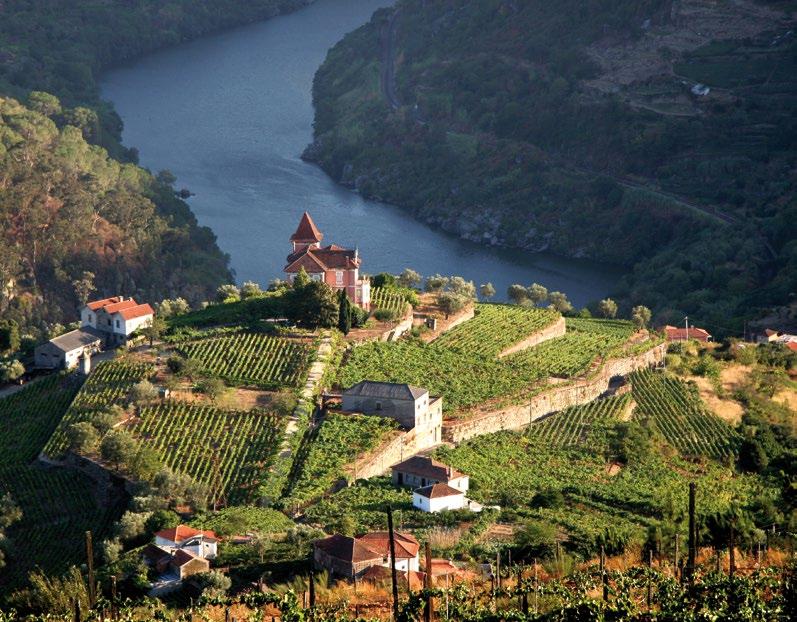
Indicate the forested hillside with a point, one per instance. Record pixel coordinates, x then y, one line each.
655 134
66 206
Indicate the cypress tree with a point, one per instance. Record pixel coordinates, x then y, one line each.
344 312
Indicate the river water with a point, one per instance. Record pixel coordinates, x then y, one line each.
230 114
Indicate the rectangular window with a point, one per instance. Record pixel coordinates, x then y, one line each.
117 323
339 277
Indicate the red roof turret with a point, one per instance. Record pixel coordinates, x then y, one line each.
307 231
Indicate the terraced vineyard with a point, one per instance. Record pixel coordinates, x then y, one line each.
495 327
382 298
58 508
681 416
29 417
621 329
339 441
466 378
108 384
253 359
573 425
228 450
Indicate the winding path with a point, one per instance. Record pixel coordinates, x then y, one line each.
388 72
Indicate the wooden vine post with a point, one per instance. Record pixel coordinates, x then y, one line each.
429 611
90 565
690 562
393 577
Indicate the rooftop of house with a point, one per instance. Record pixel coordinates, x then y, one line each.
142 310
347 548
438 491
181 557
406 545
181 533
307 231
76 339
118 306
94 305
675 332
385 390
424 466
322 259
379 574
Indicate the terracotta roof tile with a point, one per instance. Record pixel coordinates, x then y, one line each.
406 545
438 491
99 304
137 311
675 333
307 231
118 306
182 533
423 466
348 549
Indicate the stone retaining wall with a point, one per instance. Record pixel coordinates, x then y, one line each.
552 400
557 329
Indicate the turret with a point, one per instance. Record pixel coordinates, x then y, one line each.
307 235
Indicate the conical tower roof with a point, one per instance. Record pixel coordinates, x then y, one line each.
307 231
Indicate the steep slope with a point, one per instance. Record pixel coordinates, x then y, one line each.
584 128
66 208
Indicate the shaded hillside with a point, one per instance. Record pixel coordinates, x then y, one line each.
66 208
580 127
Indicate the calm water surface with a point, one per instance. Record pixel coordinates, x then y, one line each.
230 114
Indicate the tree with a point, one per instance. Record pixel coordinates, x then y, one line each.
344 312
9 336
44 103
487 291
167 307
537 293
228 293
517 293
132 525
11 370
143 392
301 280
461 287
111 550
161 519
752 457
250 289
83 437
212 583
436 283
144 462
451 303
383 279
607 308
536 539
640 316
154 330
214 388
118 447
559 302
83 286
409 278
313 305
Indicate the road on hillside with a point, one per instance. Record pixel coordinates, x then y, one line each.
388 73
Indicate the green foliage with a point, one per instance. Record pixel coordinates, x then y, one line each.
344 312
574 425
109 384
226 450
30 416
240 520
388 299
340 440
9 337
313 305
681 416
251 359
498 131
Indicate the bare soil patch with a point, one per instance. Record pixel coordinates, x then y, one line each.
727 409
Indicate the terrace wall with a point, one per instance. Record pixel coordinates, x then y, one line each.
552 400
393 451
557 329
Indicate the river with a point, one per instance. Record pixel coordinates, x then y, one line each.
231 113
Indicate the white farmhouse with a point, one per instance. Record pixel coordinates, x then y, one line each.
437 498
184 538
64 351
116 317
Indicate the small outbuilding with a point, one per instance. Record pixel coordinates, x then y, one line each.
65 351
421 471
438 498
675 333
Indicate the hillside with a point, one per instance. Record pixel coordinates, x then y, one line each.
67 207
580 128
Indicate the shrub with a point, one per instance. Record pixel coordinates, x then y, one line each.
386 315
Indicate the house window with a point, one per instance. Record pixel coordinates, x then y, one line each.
339 277
109 321
378 406
117 323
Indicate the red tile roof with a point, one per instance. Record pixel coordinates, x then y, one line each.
183 532
406 545
348 549
99 304
382 574
675 333
307 231
118 306
792 345
423 466
182 557
438 491
137 311
327 258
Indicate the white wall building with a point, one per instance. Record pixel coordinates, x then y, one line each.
199 543
116 317
438 498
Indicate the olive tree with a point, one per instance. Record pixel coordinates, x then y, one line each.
607 308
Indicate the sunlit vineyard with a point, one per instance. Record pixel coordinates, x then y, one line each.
58 507
573 425
496 327
466 378
227 450
29 417
622 329
339 441
252 359
109 383
681 416
392 300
